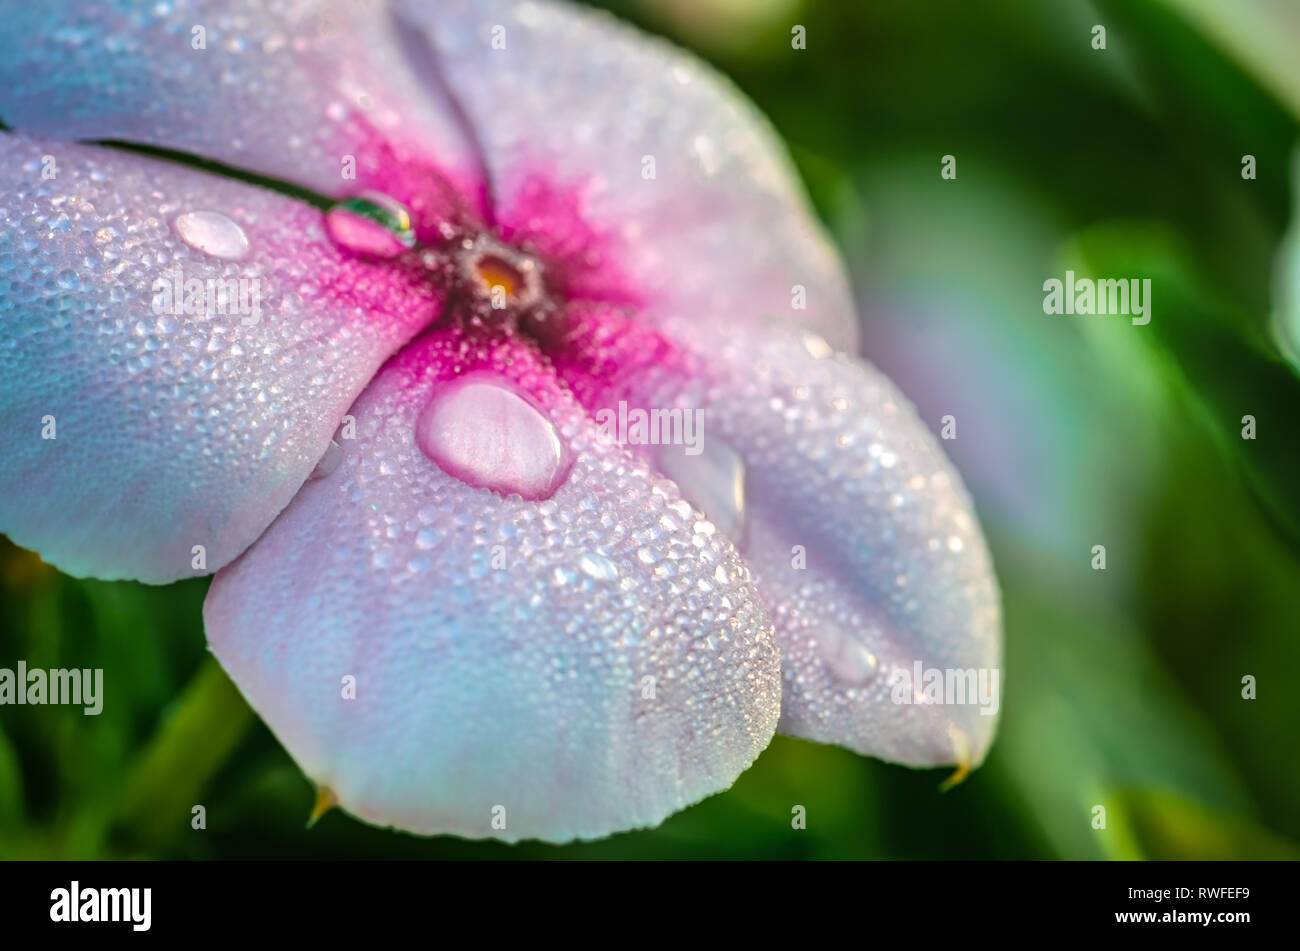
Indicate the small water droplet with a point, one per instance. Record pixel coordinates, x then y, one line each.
328 462
598 567
212 233
816 346
713 479
482 430
706 153
846 658
371 223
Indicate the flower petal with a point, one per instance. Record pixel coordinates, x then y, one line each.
290 89
683 189
863 541
569 667
170 430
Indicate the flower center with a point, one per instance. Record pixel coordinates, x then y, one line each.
496 274
513 321
485 279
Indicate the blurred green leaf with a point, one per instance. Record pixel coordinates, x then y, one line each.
1286 277
1262 34
1173 827
1224 362
1088 711
193 742
11 790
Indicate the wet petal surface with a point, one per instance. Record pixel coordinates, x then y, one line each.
328 94
686 202
569 667
188 393
860 535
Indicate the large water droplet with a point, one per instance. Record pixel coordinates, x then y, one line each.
846 658
371 223
713 480
482 430
212 233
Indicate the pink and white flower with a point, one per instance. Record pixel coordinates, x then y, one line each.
396 472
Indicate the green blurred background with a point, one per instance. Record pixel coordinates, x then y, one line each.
1123 687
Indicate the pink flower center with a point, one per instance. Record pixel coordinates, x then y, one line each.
530 307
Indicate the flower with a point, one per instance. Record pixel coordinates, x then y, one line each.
461 605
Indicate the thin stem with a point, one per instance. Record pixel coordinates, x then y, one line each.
165 785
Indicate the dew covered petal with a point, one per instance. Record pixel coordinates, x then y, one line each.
860 534
331 95
171 429
639 168
587 663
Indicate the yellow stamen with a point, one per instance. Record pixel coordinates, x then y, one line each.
494 272
961 749
959 774
325 801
